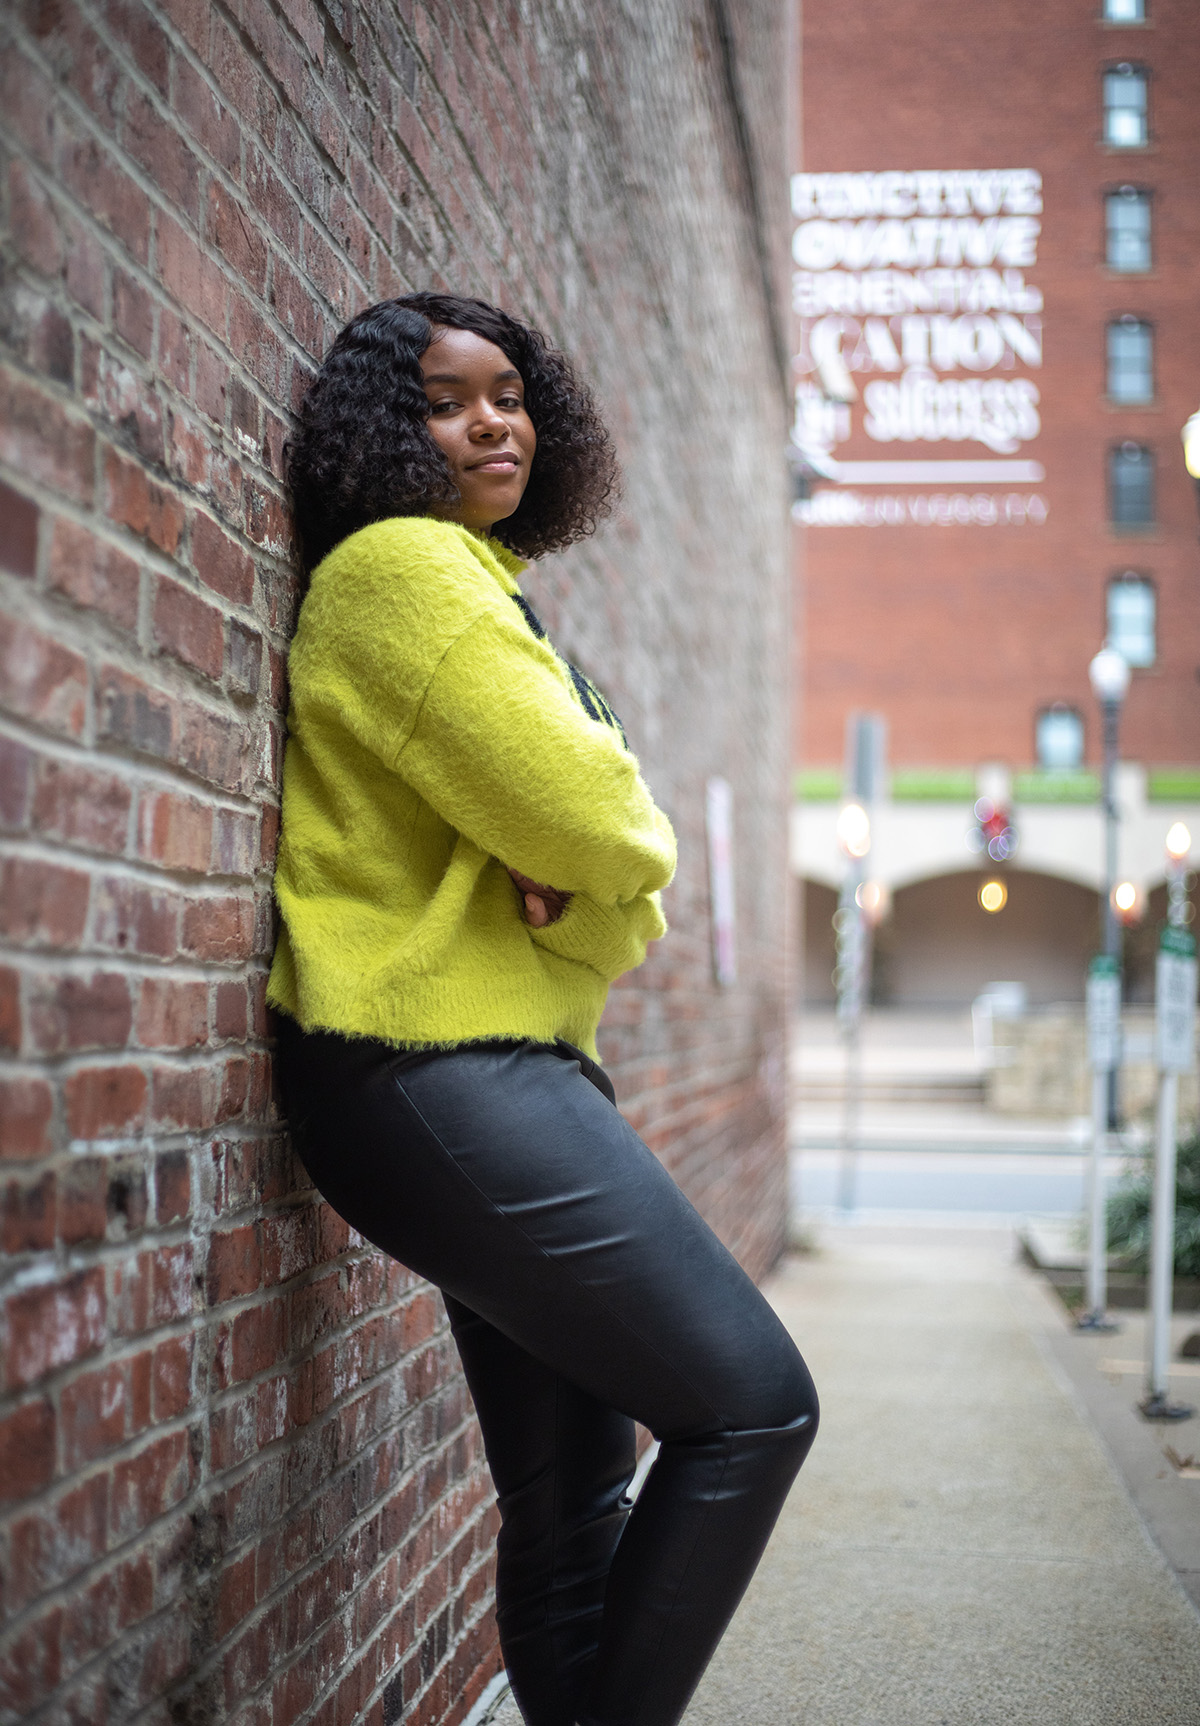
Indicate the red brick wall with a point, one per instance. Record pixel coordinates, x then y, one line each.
240 1476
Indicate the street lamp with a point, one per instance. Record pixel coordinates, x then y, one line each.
1109 677
1191 448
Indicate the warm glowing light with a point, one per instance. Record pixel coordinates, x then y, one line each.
993 896
1179 842
1125 896
872 897
1109 674
1191 445
854 830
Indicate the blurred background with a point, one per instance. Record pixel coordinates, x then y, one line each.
996 352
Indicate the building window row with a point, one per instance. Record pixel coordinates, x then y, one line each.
1127 229
1130 485
1126 90
1130 357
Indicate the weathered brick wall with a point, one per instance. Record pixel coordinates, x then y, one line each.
241 1481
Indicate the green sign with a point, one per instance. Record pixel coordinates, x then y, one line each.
1176 940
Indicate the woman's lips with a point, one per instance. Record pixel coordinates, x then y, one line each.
495 464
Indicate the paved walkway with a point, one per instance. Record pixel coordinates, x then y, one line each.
959 1550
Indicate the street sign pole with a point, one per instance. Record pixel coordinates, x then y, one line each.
1175 1038
1104 1045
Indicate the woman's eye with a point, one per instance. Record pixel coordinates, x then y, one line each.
441 407
510 402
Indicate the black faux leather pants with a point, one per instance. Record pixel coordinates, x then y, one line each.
584 1292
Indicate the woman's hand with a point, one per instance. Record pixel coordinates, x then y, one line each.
542 904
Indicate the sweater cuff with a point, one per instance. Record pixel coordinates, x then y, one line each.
611 939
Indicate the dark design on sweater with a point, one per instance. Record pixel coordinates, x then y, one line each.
590 698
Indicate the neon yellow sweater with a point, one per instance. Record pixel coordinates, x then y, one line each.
434 739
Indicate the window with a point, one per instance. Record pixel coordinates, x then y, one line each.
1130 486
1059 732
1127 229
1124 11
1130 360
1132 605
1125 107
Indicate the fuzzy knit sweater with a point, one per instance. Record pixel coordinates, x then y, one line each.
434 738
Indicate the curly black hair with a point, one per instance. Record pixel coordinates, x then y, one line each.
362 450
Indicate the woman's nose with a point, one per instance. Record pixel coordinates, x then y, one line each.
489 421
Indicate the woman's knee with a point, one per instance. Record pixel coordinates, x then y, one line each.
782 1396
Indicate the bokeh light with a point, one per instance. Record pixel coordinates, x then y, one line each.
993 896
1179 841
854 830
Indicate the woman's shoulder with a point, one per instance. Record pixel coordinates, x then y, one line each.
418 546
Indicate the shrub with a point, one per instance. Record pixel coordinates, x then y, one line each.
1129 1212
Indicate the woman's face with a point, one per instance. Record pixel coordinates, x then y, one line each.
477 419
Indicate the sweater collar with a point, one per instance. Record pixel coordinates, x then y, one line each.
511 566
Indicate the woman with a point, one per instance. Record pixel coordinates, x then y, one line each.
469 858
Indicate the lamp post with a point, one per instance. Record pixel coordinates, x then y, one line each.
1109 676
1175 1051
853 936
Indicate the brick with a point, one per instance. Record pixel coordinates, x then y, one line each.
172 1014
172 1377
184 1098
174 1286
106 190
31 1666
40 439
234 1264
52 1326
133 312
220 562
188 628
104 1102
147 1485
230 231
93 1414
218 928
27 1442
230 1020
35 228
135 714
83 1200
175 831
41 680
129 917
73 1012
82 806
235 843
93 574
119 393
210 123
28 1214
16 784
26 1116
158 147
245 659
216 747
192 279
10 1008
127 1201
172 1186
42 903
19 518
135 501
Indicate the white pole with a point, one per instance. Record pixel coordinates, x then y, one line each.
1097 1265
1162 1247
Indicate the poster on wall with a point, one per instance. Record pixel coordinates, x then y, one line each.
920 341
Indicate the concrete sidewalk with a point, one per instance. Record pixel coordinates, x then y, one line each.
958 1550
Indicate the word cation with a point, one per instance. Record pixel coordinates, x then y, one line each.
942 509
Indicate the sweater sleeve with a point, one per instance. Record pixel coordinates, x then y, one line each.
611 939
502 751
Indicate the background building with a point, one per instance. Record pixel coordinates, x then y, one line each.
240 1480
995 245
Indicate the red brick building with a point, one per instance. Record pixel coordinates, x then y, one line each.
240 1479
997 231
